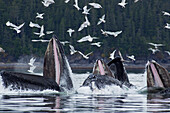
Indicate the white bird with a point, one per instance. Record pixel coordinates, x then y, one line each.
85 56
49 32
70 31
2 50
122 3
132 57
76 5
87 38
85 10
136 1
32 68
98 44
167 26
166 13
115 34
168 52
40 16
46 3
122 59
155 45
40 40
16 28
66 1
31 24
32 60
153 50
95 5
65 42
84 24
102 19
41 32
112 55
72 50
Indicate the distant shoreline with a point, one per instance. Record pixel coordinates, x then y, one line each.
73 66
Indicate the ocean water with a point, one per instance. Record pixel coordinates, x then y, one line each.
109 100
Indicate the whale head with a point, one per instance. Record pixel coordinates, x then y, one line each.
157 76
56 64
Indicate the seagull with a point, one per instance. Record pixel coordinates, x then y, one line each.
95 5
166 13
153 50
122 59
101 20
167 26
96 44
32 60
132 57
40 16
87 38
115 34
64 42
41 32
112 55
136 1
2 50
156 45
34 25
46 3
72 50
168 52
16 28
76 5
40 40
66 1
84 24
70 31
85 56
122 3
49 32
31 70
85 10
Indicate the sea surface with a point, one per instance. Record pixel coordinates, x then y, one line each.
108 100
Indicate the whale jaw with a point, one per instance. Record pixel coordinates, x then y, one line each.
157 76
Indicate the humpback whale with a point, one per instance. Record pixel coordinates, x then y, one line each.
102 75
158 78
56 75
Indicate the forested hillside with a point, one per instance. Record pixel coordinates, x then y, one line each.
140 22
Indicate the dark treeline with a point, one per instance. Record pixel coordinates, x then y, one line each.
141 23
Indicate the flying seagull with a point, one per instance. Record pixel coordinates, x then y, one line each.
112 55
72 50
95 5
166 13
167 26
49 32
2 50
122 3
70 31
85 56
15 27
132 57
84 24
40 40
153 50
168 52
65 42
155 45
85 10
115 34
102 19
66 1
32 60
40 16
41 32
87 38
31 24
76 5
46 3
98 44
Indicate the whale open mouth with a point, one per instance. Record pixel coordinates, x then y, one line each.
53 60
157 76
101 68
